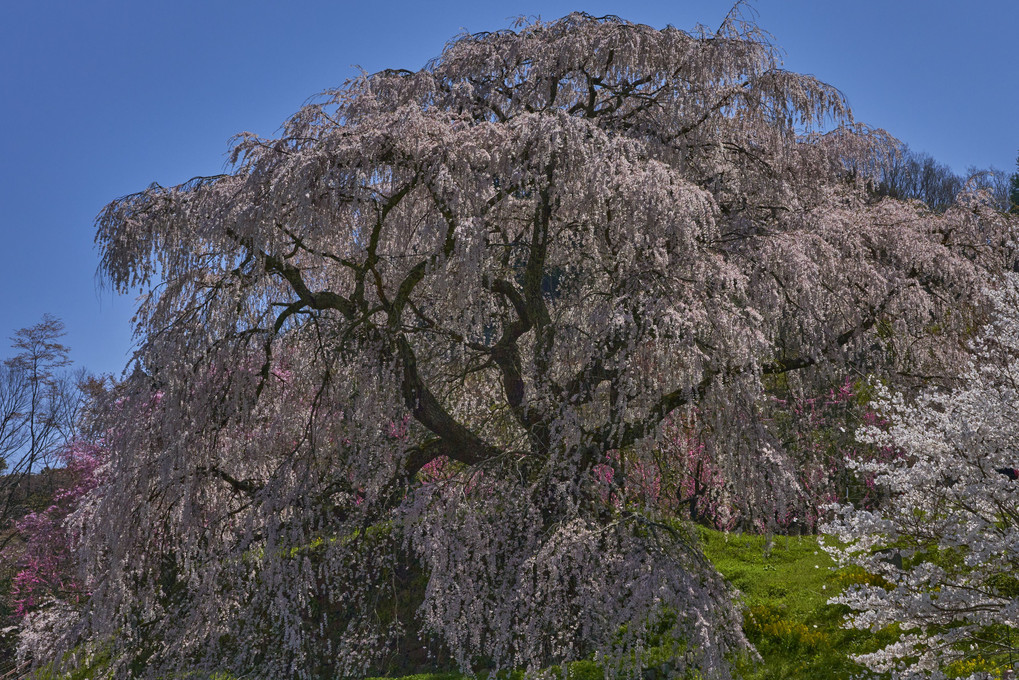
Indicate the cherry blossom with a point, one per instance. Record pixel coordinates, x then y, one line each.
399 341
946 545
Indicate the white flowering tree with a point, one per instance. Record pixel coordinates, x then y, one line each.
944 553
386 360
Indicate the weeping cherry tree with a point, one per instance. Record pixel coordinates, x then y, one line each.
404 341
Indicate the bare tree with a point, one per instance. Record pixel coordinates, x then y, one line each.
912 175
13 404
994 182
39 403
1013 190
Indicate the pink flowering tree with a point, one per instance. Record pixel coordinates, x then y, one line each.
408 340
819 432
46 565
682 474
47 590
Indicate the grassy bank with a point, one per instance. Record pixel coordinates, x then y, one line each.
785 583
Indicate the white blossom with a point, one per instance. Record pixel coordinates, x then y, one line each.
947 545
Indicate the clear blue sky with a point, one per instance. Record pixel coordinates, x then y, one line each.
99 98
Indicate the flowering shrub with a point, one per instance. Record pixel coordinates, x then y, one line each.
946 546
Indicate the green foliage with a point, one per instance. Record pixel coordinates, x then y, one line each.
1006 585
88 666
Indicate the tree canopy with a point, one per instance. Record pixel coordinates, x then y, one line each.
423 324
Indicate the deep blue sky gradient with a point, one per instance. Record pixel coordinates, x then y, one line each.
99 98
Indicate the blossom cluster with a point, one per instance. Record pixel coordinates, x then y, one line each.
46 567
946 544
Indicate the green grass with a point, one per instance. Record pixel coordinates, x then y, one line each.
786 590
